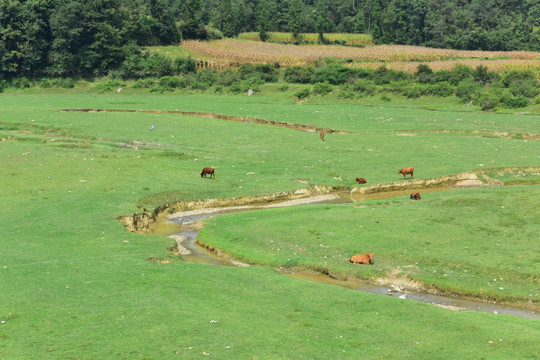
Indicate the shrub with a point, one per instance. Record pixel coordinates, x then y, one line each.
335 74
442 89
284 88
481 75
144 83
442 75
385 76
298 74
302 94
236 88
386 98
364 86
45 83
468 90
322 88
412 91
424 74
345 92
172 82
21 83
460 73
510 101
109 85
266 72
487 101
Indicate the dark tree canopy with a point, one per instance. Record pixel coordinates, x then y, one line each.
90 37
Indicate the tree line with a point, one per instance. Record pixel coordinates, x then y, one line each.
94 37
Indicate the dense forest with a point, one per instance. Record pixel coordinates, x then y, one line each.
94 37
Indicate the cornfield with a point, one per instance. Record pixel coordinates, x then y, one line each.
406 58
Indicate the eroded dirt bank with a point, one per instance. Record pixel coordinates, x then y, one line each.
243 119
141 222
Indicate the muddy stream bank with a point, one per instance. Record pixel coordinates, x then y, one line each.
183 227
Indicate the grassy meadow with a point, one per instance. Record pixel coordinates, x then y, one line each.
76 285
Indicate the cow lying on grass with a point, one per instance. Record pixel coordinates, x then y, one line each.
415 196
208 171
360 180
407 171
366 259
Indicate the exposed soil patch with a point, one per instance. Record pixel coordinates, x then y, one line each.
243 119
142 222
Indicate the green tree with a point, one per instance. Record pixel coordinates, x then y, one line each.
263 20
296 17
24 37
191 14
224 18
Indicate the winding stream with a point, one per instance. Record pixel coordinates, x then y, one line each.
179 227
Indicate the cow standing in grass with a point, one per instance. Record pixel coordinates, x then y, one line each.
208 171
361 180
407 171
322 135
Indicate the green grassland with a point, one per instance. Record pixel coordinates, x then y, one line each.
76 285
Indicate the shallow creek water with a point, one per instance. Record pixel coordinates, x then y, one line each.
179 226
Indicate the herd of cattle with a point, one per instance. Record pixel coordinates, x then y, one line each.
366 259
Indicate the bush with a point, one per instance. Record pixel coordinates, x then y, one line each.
144 83
442 89
143 64
45 83
265 72
21 83
298 74
109 85
302 94
513 102
468 90
172 82
487 101
335 74
345 92
383 76
424 74
322 88
364 86
481 75
284 88
460 73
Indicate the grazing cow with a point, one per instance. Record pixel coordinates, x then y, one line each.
322 136
366 259
406 171
361 180
208 171
415 196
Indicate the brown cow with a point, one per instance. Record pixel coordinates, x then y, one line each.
360 180
415 196
406 171
322 135
366 259
208 171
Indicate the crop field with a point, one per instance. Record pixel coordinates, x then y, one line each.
75 284
398 57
